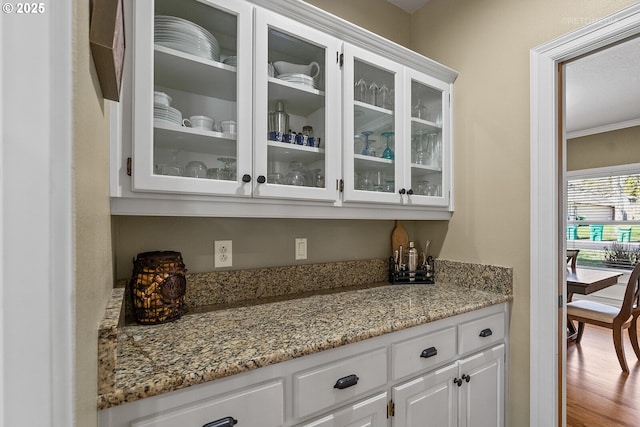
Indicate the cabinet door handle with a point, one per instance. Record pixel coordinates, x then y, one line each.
246 178
402 191
222 422
456 381
347 381
410 191
486 333
466 377
429 352
261 179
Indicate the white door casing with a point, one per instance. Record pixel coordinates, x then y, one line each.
545 202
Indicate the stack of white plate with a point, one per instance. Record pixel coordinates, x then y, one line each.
167 114
231 60
302 79
185 36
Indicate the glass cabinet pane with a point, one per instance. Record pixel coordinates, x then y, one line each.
195 122
374 124
296 111
187 91
426 140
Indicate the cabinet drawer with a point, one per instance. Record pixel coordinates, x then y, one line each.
480 333
262 405
319 388
424 352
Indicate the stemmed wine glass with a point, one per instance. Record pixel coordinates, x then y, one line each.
366 151
388 152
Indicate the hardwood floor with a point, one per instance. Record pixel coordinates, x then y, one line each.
598 392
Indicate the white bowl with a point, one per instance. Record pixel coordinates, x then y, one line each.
200 122
228 126
161 98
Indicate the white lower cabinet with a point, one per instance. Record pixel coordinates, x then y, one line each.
467 393
445 373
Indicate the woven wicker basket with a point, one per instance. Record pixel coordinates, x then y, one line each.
158 285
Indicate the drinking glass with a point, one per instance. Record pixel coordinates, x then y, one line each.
360 90
366 151
229 170
374 92
388 152
384 97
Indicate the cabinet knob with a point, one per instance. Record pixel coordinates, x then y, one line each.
222 422
466 377
261 179
246 178
402 191
347 381
409 191
456 381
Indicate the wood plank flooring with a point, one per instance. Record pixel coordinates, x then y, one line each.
598 392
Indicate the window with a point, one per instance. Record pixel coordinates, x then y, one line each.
603 216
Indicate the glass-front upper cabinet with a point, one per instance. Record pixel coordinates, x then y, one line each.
296 110
428 177
374 138
192 99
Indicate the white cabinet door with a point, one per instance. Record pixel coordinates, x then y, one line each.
428 401
371 412
373 110
427 126
482 392
200 55
296 110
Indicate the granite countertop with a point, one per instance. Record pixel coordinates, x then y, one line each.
204 346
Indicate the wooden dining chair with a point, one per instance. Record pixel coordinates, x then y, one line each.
626 317
572 258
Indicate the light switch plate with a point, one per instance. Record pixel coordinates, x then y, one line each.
301 248
222 251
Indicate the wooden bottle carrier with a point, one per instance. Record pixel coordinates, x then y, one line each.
158 285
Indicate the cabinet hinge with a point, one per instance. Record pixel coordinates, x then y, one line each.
559 301
129 166
391 409
341 60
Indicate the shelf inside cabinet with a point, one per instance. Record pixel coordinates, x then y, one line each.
190 73
370 117
298 99
363 162
419 125
424 168
283 152
200 141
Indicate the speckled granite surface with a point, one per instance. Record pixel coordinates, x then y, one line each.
204 346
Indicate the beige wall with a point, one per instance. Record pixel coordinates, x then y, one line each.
93 266
619 147
377 16
488 42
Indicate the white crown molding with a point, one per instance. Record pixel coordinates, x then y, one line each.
602 129
351 33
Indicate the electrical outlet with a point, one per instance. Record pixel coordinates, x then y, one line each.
222 251
301 248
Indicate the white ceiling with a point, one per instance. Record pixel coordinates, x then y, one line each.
603 90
